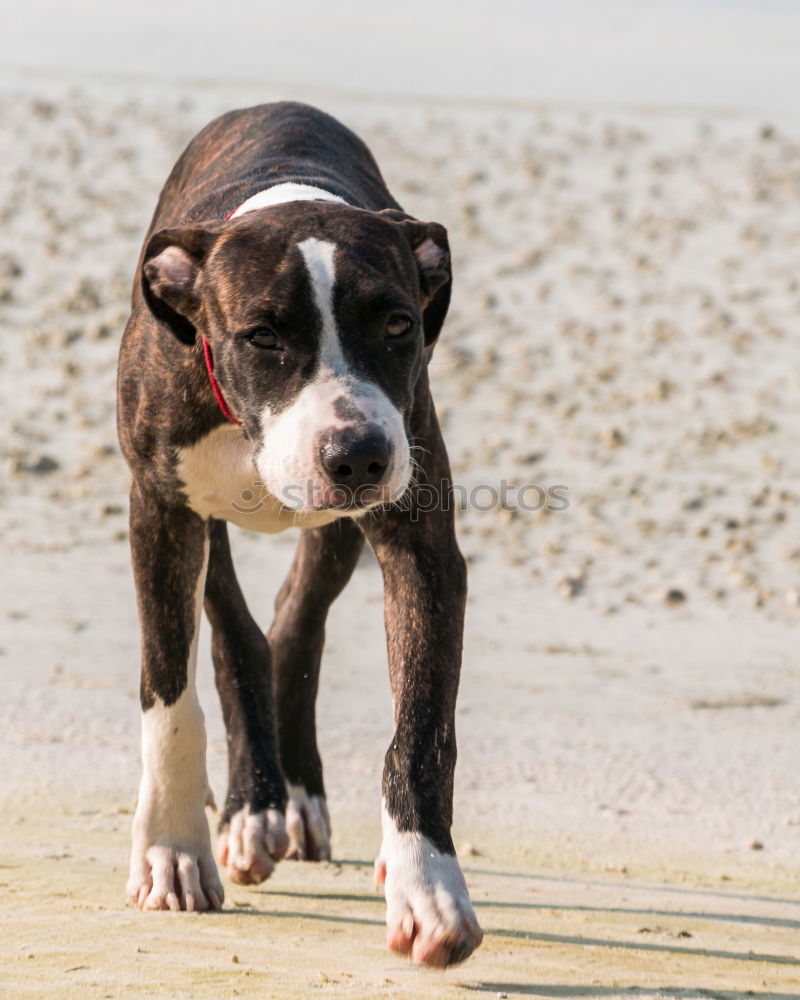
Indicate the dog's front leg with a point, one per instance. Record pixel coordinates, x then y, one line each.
172 866
252 828
429 914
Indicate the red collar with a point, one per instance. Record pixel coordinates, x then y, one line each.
215 385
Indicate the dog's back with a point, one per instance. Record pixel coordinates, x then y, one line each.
253 148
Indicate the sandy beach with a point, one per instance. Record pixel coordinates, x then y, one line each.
624 327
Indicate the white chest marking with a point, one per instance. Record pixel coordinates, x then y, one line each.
280 193
220 480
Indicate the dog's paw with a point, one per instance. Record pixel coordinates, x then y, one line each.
428 911
308 825
252 844
165 877
172 865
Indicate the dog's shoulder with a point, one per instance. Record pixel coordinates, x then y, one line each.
159 381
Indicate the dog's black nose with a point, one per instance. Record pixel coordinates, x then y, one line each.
354 458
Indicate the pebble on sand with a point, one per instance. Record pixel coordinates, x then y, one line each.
38 466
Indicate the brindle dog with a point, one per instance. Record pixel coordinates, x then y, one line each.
273 373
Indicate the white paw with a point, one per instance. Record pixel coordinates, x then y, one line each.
308 825
428 911
175 878
252 844
172 867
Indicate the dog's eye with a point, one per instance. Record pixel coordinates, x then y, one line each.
398 324
263 337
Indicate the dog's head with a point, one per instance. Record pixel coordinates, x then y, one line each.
318 316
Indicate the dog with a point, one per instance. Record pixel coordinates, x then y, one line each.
273 373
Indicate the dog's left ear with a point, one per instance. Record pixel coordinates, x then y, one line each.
431 250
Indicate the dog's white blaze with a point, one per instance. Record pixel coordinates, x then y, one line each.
319 258
424 888
278 194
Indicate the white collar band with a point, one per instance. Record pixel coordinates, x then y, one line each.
280 193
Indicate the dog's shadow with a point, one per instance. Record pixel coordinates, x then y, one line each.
667 992
542 937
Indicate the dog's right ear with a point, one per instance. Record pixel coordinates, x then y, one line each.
172 270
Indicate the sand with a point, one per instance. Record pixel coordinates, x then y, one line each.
623 326
317 931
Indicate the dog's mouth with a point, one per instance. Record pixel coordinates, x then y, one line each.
341 498
320 498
